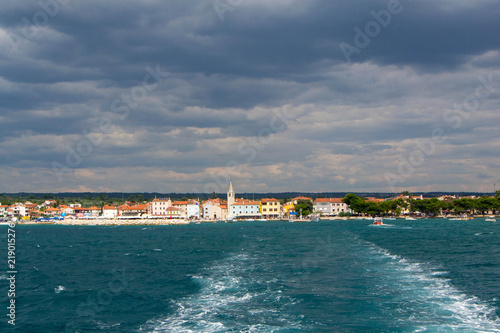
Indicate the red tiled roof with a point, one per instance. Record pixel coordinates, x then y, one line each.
372 199
336 200
161 199
302 198
269 200
213 201
135 207
247 202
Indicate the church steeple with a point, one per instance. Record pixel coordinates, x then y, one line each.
230 195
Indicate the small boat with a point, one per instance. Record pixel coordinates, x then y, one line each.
410 219
490 219
315 218
378 221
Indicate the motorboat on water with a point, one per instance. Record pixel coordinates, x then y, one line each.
410 219
490 219
378 221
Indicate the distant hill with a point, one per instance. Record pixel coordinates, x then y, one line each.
246 195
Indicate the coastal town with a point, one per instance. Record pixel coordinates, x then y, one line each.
167 211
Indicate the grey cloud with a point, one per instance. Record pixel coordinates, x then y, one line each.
227 78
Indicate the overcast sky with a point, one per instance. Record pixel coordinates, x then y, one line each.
282 95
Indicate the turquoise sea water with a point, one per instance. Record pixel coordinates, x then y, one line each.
329 276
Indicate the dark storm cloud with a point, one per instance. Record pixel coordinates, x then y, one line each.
227 77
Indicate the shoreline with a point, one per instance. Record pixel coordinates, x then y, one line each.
144 222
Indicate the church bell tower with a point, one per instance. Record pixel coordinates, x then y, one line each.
230 195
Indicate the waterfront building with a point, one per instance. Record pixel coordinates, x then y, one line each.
109 212
132 211
288 207
245 208
241 207
214 209
159 206
51 211
17 209
193 209
330 206
3 210
296 200
270 208
67 210
182 205
87 211
175 213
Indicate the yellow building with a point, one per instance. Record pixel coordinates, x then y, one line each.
288 207
270 208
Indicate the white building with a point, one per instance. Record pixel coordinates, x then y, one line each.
214 209
3 210
159 206
109 212
18 209
330 206
193 209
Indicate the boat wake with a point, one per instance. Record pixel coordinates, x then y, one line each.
421 297
382 225
232 298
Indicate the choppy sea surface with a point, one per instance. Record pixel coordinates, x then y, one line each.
329 276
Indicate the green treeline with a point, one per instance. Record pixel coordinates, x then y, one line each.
483 205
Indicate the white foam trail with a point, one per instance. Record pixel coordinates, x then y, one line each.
229 299
429 300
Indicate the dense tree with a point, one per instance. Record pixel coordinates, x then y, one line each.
355 203
103 197
427 206
485 204
406 194
372 208
306 206
464 205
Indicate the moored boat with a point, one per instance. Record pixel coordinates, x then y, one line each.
315 218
